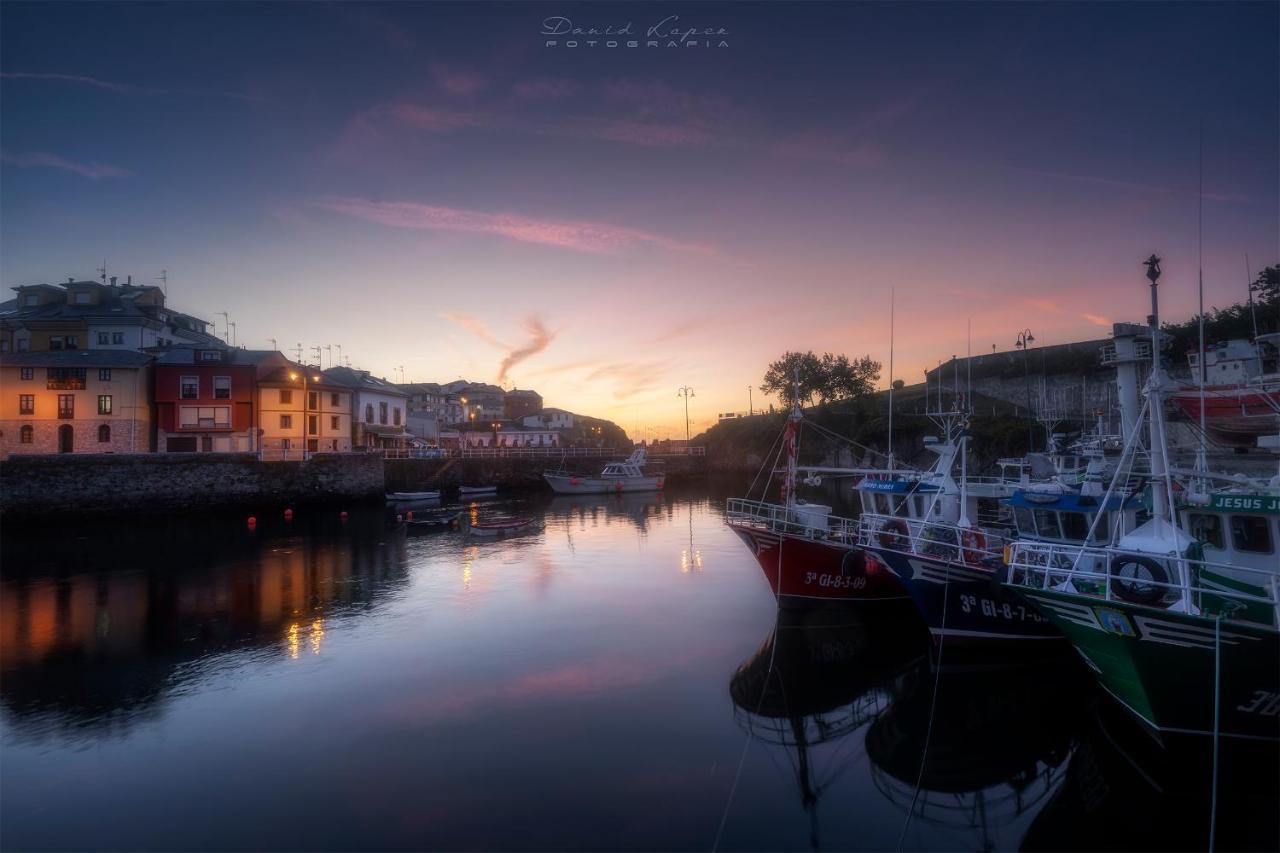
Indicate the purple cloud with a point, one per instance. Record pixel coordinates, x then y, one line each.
44 159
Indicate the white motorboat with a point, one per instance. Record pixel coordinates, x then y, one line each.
413 496
616 477
470 491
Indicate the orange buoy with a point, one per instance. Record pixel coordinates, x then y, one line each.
288 515
252 521
409 515
343 515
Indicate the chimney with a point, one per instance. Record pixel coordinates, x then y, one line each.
71 279
113 280
128 280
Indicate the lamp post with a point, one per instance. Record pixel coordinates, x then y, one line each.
1024 341
686 392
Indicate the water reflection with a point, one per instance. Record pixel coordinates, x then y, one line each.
102 647
821 677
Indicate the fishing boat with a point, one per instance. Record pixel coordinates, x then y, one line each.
1241 396
477 491
807 554
501 527
413 496
616 477
1188 645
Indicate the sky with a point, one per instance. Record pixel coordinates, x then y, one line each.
455 190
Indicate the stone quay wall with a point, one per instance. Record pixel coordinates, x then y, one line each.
413 475
180 482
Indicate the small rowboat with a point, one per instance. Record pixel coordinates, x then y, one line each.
412 496
477 490
501 528
435 521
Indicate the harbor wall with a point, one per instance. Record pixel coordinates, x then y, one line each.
412 475
179 482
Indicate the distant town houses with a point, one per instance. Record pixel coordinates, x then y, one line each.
107 367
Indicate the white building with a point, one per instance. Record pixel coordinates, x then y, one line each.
379 413
549 419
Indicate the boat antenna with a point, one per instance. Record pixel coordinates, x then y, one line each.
1253 311
892 289
1202 461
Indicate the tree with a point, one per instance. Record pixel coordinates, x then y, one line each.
1267 286
831 377
782 376
843 379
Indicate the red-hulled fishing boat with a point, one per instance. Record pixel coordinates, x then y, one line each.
806 553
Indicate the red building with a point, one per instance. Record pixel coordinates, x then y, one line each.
205 398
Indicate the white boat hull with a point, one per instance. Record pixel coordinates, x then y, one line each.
565 484
412 496
477 490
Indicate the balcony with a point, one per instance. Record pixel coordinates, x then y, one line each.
71 384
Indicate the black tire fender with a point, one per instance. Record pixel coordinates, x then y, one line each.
1125 589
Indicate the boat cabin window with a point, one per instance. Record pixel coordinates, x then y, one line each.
1047 524
1251 533
922 503
1075 525
1023 518
1207 528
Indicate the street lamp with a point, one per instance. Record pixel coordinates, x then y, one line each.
686 392
1024 342
751 409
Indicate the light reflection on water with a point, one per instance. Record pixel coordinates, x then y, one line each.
328 685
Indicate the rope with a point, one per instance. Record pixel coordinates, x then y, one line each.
933 705
767 464
742 758
1217 704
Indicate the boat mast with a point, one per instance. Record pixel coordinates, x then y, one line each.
791 445
1202 459
892 289
1159 474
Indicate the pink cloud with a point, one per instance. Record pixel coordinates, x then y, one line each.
53 161
591 237
650 134
429 119
1047 305
80 79
822 148
459 82
1097 319
544 89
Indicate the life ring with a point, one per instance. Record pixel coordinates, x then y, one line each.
1132 589
892 534
973 546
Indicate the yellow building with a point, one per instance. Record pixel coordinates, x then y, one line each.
75 401
300 411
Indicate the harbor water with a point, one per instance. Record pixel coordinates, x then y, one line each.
618 676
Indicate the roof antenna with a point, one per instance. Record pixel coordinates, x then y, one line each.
298 353
232 327
103 270
163 278
274 346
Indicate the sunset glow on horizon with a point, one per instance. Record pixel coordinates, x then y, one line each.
433 188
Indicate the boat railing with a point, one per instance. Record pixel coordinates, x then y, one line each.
792 520
936 540
1189 585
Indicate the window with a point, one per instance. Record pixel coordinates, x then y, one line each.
1025 522
368 413
66 406
206 443
334 421
396 419
1075 526
1250 533
26 435
209 355
104 404
4 346
104 374
313 445
190 386
286 422
286 397
333 400
1047 524
31 301
286 444
28 373
24 344
82 298
103 338
1207 528
55 342
313 424
104 434
222 387
188 416
26 404
117 337
313 401
382 413
64 378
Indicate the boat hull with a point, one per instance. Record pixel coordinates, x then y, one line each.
962 604
1161 665
413 496
800 569
563 484
1234 411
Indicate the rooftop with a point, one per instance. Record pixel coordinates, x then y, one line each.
352 378
75 358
